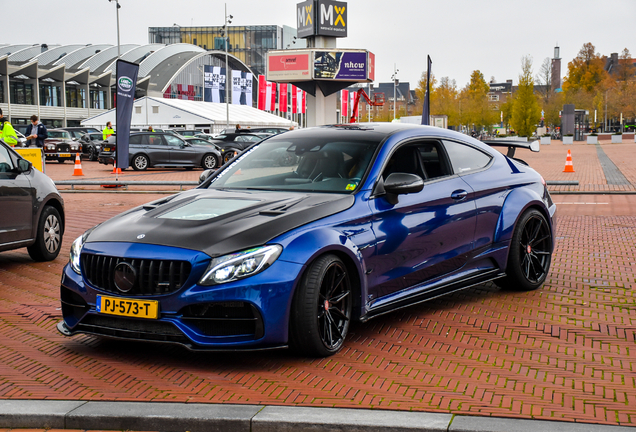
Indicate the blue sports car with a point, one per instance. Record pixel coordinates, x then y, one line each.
363 219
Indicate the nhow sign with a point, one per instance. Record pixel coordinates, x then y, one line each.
322 18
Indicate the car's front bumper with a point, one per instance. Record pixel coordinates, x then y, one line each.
251 314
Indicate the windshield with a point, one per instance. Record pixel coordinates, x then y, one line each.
59 134
303 162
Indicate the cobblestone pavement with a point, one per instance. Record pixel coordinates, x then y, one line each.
564 352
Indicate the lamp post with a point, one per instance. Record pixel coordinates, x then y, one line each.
395 83
118 44
226 34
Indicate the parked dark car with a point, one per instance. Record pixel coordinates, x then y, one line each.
60 146
92 144
32 214
371 218
78 131
274 130
149 150
234 143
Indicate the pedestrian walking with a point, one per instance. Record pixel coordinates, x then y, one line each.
36 132
108 131
7 133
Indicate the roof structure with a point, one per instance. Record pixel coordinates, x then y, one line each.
160 111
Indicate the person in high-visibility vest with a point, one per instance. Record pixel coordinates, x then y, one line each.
108 131
7 133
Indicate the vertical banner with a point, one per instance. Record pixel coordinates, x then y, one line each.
266 94
246 88
208 83
352 100
344 102
299 100
236 87
262 92
426 111
304 102
294 97
214 84
282 98
272 102
126 82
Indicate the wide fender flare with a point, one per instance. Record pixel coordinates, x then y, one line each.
308 246
514 205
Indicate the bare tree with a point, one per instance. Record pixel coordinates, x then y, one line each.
544 80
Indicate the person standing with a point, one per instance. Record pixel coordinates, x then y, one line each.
7 133
108 131
36 132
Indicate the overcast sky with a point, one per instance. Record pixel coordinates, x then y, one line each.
459 35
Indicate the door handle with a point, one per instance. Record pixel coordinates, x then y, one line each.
459 195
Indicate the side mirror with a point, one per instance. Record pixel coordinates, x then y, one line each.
400 184
24 165
204 175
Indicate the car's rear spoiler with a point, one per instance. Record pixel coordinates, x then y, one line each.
513 145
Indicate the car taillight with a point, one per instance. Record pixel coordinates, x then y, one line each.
543 181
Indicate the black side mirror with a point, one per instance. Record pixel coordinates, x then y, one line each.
24 165
399 184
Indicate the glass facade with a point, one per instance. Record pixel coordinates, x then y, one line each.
75 97
50 95
21 93
248 43
98 99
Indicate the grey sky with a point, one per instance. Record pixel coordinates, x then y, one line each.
459 35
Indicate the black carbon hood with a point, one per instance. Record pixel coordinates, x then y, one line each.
251 218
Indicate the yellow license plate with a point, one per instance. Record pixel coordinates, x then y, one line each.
128 307
106 148
65 155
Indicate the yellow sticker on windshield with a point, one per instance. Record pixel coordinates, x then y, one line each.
351 186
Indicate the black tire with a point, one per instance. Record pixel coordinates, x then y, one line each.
48 240
530 253
61 161
229 155
92 154
321 309
209 161
140 162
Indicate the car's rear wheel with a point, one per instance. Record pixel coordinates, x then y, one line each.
530 253
92 154
140 162
321 310
209 161
48 241
229 155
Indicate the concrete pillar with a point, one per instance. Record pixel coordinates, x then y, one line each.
321 109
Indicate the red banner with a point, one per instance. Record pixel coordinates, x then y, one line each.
344 101
266 94
294 97
262 92
304 102
282 98
272 101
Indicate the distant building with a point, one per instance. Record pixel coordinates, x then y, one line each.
612 64
404 97
556 70
499 93
247 43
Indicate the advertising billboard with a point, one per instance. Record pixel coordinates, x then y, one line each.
306 23
340 65
289 66
321 18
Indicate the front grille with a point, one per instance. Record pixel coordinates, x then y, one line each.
153 277
224 319
63 148
132 329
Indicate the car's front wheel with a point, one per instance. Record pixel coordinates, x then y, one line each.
48 241
530 253
229 155
92 154
321 310
209 161
140 162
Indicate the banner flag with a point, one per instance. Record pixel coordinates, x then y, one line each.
426 111
239 84
294 97
266 94
282 98
262 92
246 88
214 80
299 100
344 102
304 102
126 83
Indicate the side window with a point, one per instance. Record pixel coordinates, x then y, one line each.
173 141
433 160
135 139
6 164
465 158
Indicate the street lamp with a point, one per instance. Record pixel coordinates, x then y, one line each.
396 81
226 33
118 44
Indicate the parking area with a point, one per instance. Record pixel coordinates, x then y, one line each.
564 352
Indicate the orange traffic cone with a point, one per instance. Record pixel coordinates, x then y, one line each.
568 163
78 166
115 169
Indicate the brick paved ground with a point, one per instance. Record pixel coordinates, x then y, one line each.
565 352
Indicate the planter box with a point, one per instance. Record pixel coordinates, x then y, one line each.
617 139
546 140
592 139
568 140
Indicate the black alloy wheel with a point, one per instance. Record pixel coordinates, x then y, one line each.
92 154
209 161
321 311
229 155
49 236
530 253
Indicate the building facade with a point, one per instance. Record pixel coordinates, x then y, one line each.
247 43
65 84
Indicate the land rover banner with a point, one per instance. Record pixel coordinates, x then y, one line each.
126 83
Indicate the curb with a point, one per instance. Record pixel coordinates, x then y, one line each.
179 417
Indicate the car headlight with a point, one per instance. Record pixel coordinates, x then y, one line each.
74 258
240 265
74 148
50 147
